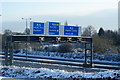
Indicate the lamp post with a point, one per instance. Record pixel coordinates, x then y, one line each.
27 34
26 19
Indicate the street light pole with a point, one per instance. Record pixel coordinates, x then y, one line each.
26 33
26 19
26 27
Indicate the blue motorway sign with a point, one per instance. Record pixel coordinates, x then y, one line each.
71 30
38 28
53 28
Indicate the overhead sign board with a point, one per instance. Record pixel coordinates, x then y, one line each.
53 28
38 28
71 30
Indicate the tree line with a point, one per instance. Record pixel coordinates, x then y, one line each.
104 41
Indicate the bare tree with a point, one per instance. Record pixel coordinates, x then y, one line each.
8 32
27 31
66 23
89 31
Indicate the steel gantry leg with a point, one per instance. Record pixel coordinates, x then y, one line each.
88 47
85 55
91 60
11 54
6 53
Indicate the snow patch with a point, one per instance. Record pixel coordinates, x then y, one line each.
25 72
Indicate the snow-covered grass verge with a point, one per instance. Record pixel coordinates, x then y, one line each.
103 57
25 72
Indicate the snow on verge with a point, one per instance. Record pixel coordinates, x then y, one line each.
25 72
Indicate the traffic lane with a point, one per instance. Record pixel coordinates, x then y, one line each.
55 66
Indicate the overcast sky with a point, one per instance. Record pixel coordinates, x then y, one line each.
98 13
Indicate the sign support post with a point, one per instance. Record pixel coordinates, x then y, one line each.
6 52
11 53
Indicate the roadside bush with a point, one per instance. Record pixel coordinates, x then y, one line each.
78 50
65 47
16 51
101 45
